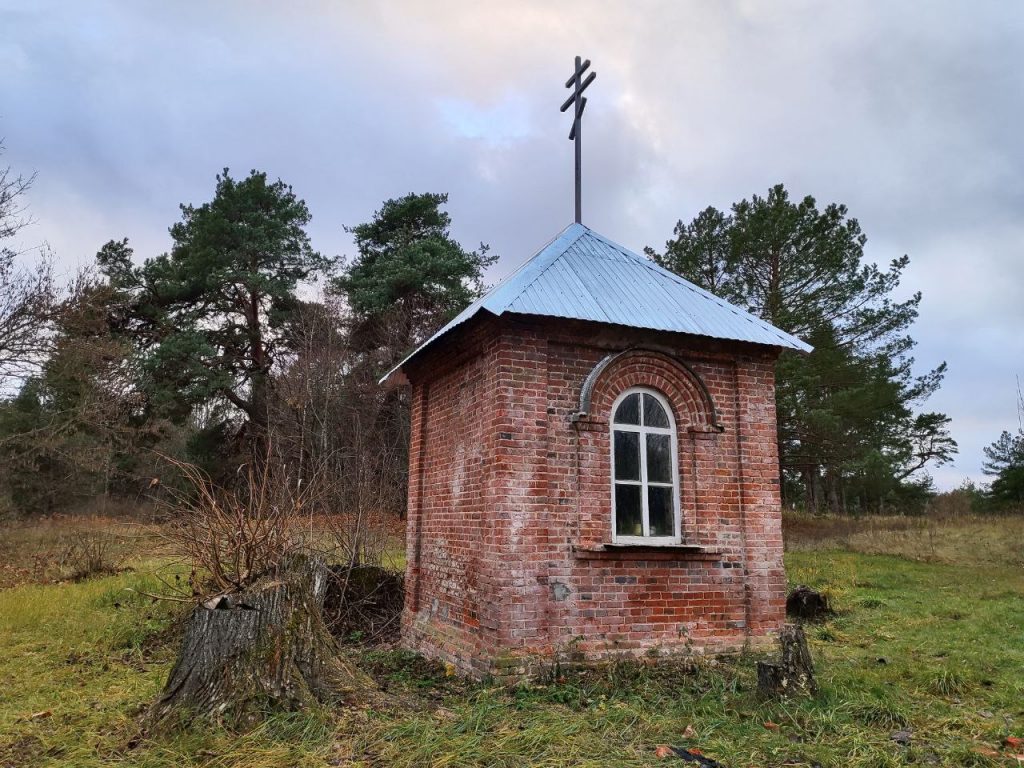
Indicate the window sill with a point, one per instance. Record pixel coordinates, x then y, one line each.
646 552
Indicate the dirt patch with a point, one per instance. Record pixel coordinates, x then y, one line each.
22 751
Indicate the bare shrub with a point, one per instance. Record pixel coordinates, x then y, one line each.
258 582
232 536
367 537
366 596
91 554
960 502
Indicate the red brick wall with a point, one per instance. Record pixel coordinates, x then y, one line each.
451 543
510 498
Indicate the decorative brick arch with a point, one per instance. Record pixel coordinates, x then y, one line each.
693 407
696 420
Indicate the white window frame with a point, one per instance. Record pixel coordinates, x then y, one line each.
643 431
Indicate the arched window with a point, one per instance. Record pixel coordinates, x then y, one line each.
645 470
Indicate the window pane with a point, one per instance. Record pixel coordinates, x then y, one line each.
628 411
659 507
659 459
654 414
627 455
627 511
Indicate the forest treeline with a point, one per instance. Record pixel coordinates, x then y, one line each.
244 344
241 343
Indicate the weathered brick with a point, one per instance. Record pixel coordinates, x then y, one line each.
510 494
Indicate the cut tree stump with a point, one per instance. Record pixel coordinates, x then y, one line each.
794 675
263 649
808 604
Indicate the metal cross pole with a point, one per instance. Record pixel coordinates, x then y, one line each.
580 101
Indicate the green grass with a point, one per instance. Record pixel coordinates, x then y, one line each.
930 646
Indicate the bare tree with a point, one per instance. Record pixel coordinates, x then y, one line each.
26 293
76 429
333 416
13 215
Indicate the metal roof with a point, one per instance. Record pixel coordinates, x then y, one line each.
581 275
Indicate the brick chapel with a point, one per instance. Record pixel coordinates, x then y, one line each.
593 469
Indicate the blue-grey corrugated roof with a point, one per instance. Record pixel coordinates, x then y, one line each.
581 275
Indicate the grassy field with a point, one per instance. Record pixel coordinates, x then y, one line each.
931 642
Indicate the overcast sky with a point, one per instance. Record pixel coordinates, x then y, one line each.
909 113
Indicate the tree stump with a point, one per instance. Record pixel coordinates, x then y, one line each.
265 648
808 604
794 675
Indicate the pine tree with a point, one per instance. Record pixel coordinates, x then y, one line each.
1004 461
410 275
846 412
207 317
408 278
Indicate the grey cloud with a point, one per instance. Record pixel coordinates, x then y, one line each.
907 112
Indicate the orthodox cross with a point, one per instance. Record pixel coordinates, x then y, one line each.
579 85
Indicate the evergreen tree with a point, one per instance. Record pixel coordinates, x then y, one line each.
701 249
848 431
408 278
1004 461
207 317
34 477
409 275
1004 453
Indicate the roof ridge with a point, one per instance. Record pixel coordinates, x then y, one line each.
508 278
569 244
481 301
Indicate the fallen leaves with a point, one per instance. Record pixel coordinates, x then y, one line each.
1011 746
664 750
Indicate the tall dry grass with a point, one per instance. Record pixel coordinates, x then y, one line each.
952 539
62 547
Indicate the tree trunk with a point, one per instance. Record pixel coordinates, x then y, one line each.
794 675
832 485
811 489
263 649
259 395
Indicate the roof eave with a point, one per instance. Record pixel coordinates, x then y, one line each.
397 377
394 379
